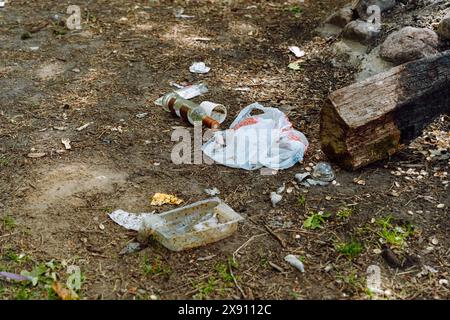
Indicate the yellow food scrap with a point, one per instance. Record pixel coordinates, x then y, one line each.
161 198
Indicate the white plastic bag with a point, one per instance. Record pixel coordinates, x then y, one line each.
255 141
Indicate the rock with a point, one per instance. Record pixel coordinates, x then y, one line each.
361 31
409 44
347 53
444 27
342 17
361 6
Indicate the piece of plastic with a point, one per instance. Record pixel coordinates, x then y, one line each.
255 141
295 262
191 226
199 67
323 172
187 92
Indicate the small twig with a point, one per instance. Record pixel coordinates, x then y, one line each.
280 240
245 244
235 281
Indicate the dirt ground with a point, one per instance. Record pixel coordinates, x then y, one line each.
53 209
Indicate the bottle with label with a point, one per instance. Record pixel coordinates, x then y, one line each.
187 110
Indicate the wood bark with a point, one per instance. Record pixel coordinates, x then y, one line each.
373 119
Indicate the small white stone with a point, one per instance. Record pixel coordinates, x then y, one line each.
440 206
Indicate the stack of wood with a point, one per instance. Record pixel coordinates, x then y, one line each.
373 119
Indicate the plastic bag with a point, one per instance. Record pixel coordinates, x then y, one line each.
255 141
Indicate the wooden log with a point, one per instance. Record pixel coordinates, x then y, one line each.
373 119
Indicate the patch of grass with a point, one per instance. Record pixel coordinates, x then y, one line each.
394 235
351 279
155 267
206 288
344 212
8 223
4 162
296 11
301 200
224 272
316 220
350 249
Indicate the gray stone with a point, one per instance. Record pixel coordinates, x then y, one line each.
361 6
444 27
361 31
342 17
409 44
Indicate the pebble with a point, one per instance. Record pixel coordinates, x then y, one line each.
440 206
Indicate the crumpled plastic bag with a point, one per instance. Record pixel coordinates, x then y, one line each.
255 141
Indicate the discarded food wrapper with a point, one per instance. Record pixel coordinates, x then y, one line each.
199 67
192 226
255 141
295 262
321 175
183 228
160 199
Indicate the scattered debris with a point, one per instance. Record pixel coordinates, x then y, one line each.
443 282
229 148
359 181
14 276
130 248
63 293
130 221
242 89
199 67
212 192
66 143
179 13
393 261
275 198
191 226
276 267
296 51
160 199
187 92
295 262
141 115
322 174
294 66
84 126
36 154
